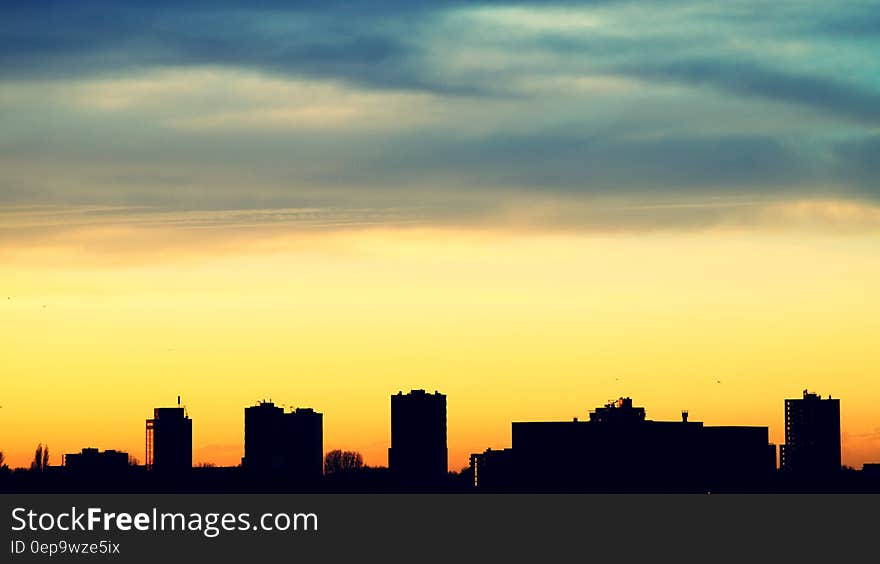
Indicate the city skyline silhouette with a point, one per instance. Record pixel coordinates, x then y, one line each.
530 207
617 449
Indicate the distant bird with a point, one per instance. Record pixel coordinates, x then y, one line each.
717 381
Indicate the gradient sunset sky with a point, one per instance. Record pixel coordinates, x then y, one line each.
532 207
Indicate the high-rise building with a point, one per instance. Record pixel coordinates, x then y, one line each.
812 436
304 428
418 453
288 445
169 441
262 438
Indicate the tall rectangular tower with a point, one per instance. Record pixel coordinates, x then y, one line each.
169 441
285 445
305 430
262 438
812 436
418 453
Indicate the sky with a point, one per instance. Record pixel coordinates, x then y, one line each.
533 207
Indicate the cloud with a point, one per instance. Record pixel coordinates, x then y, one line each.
576 162
111 37
447 170
375 44
40 235
463 110
860 21
746 78
112 235
858 161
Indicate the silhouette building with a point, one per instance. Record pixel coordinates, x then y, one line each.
169 440
305 427
493 470
289 445
91 462
812 436
418 453
262 438
618 449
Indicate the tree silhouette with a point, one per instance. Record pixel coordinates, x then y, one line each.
37 463
2 460
339 461
41 458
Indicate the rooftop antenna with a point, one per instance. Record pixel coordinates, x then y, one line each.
185 411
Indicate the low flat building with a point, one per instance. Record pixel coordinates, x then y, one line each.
92 462
619 449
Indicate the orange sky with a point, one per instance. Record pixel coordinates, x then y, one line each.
529 326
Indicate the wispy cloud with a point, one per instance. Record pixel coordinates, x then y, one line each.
64 217
113 236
